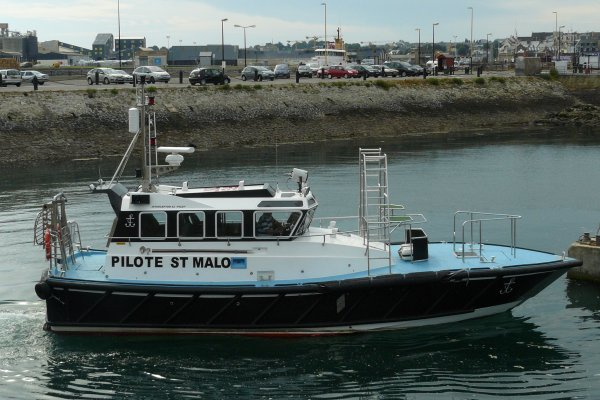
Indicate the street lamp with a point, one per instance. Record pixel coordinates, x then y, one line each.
419 47
487 50
433 45
223 46
471 43
325 4
119 20
244 28
455 47
559 28
168 37
555 27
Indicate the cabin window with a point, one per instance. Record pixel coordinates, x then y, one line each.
229 224
275 223
190 224
307 221
153 224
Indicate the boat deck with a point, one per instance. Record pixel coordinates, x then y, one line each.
89 265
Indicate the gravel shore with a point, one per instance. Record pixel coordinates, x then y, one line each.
93 123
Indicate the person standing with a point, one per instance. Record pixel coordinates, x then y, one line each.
35 82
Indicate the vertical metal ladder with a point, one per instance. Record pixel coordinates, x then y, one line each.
374 204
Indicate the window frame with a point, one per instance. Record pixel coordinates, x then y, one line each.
203 220
241 222
166 223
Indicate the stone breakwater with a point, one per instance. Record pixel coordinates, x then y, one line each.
93 123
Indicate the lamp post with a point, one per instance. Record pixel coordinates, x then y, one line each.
419 48
433 44
555 28
325 37
471 43
168 37
455 47
487 50
223 46
559 28
119 21
244 28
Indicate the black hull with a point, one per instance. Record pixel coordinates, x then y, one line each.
385 302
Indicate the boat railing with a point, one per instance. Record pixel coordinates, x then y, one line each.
470 243
328 220
56 234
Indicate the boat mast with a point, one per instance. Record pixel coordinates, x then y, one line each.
146 172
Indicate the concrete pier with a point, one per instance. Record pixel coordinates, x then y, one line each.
587 249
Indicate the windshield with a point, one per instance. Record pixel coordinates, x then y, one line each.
156 69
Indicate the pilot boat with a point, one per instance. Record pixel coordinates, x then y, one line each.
251 259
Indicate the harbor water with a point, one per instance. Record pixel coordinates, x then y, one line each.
546 348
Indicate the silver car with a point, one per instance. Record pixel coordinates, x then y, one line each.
105 76
10 77
27 76
128 78
257 73
152 74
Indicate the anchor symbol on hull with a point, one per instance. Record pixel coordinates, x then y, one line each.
508 286
130 223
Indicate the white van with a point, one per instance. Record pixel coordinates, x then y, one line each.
10 77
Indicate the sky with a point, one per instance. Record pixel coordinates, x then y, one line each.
189 22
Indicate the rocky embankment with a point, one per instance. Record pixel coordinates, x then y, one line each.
93 123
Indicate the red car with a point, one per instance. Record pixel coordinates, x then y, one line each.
338 71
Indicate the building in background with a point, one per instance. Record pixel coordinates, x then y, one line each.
23 47
128 47
148 56
55 52
184 55
102 48
231 53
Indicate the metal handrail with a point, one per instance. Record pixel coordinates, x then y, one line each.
485 216
53 219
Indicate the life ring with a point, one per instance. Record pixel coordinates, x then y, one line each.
47 244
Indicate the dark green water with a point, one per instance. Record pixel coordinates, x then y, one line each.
546 348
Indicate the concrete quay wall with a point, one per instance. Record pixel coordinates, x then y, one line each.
92 122
589 253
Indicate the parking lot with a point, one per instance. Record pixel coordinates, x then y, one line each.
72 82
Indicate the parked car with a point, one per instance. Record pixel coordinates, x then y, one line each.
27 76
431 66
152 74
10 77
128 78
208 75
314 67
403 68
282 71
257 73
366 69
338 71
387 71
305 71
105 76
417 68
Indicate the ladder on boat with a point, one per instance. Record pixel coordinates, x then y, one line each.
60 237
374 204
